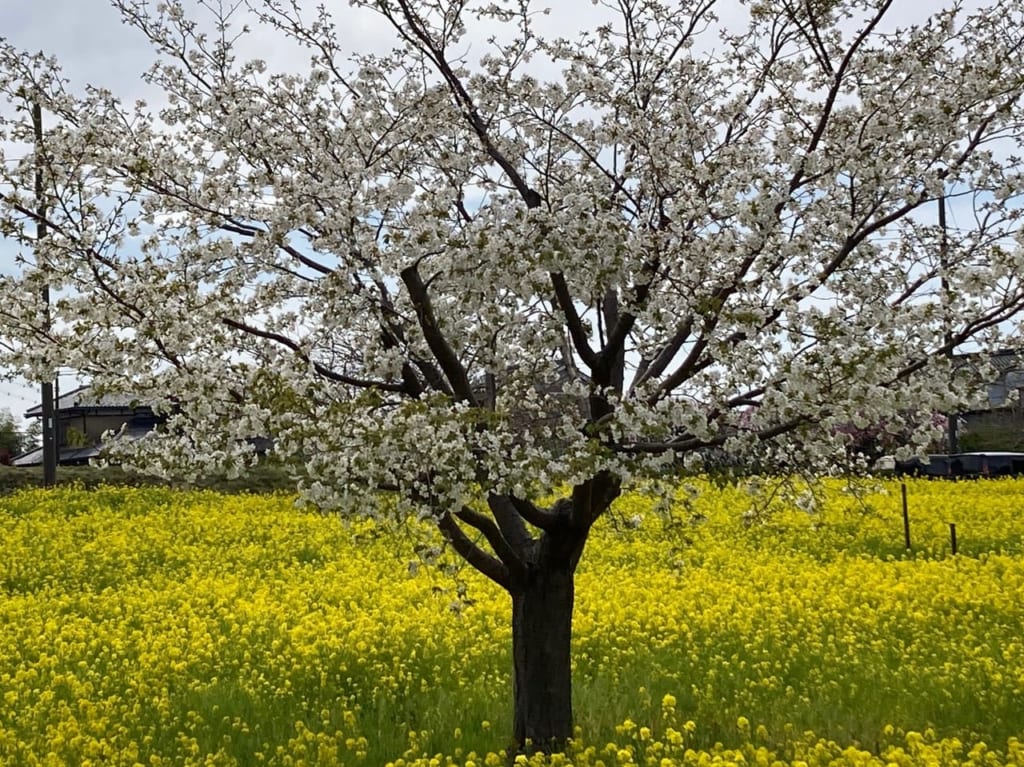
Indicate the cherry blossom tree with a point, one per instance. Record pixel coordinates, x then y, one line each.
491 265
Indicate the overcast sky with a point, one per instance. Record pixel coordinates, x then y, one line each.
94 46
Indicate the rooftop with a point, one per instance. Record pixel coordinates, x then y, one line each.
85 398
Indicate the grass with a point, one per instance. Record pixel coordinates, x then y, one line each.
264 478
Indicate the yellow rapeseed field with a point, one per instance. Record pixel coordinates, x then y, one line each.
765 627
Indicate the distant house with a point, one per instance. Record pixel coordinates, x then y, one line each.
997 423
83 416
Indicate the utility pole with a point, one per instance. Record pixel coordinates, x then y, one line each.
951 418
49 416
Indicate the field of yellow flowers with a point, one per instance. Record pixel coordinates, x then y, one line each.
757 627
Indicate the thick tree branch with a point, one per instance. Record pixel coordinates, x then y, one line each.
236 227
689 444
393 327
991 318
487 564
502 548
510 522
362 383
446 357
591 499
540 518
573 322
615 352
655 367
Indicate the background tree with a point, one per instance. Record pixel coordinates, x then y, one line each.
487 264
13 439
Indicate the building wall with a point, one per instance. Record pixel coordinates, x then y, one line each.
91 426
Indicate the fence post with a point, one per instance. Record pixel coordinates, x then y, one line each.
952 536
906 515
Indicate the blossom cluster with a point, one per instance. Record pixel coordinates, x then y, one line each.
677 231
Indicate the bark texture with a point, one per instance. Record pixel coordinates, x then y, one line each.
542 609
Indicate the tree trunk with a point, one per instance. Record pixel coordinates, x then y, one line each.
542 605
